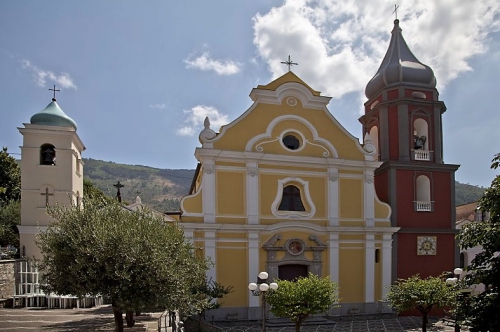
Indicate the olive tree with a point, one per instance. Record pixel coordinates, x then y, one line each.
480 311
302 298
422 295
133 258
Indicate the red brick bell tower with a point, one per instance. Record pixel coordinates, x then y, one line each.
403 116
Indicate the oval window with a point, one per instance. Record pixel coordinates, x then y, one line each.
291 142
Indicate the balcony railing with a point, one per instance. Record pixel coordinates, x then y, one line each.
423 206
422 155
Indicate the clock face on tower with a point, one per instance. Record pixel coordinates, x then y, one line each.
426 245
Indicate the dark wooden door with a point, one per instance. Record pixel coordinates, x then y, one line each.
292 271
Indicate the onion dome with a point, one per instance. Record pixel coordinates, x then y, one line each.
400 66
53 115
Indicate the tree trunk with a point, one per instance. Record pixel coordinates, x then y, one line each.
117 313
299 322
199 321
129 316
424 322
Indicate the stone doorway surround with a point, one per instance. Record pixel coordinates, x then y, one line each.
295 249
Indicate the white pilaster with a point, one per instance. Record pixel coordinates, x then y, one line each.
252 194
333 246
253 265
370 268
211 254
369 199
386 263
333 196
189 236
208 191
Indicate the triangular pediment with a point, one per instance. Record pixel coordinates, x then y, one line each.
287 78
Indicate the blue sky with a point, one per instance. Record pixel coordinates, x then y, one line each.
139 77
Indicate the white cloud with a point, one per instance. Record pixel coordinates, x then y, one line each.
158 106
196 116
204 62
340 44
41 76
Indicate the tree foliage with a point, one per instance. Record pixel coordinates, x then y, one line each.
481 311
207 292
10 196
302 298
10 178
91 191
421 294
133 258
10 216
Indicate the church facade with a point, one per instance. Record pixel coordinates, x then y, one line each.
286 189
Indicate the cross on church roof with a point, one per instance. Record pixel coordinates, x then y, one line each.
54 89
396 11
289 63
118 185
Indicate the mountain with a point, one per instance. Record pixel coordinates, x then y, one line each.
163 188
159 188
467 193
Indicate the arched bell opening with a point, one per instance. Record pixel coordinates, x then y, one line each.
47 154
423 202
421 139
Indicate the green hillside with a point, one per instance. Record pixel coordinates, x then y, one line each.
163 188
159 188
467 193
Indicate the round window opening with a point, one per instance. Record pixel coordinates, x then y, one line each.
291 142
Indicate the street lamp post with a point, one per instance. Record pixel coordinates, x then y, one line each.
261 287
453 281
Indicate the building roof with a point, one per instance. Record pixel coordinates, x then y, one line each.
285 78
400 66
139 206
466 212
53 115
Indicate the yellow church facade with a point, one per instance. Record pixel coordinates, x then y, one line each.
286 189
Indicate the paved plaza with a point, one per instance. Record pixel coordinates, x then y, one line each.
101 319
64 320
377 325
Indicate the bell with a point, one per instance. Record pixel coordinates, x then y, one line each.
48 156
419 142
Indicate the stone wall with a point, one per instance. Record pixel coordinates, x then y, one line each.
7 280
191 324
